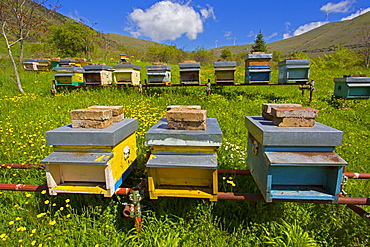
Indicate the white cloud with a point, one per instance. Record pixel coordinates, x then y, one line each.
77 17
208 12
251 33
287 35
227 35
358 12
308 27
167 20
272 35
341 7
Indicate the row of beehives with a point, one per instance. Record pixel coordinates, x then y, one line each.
290 156
32 64
296 71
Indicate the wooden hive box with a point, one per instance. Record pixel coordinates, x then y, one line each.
90 161
127 74
183 163
295 163
69 76
101 75
294 70
189 73
225 72
159 74
349 87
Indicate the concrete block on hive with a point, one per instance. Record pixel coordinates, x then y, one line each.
116 110
93 124
294 116
91 118
180 107
91 114
186 115
294 112
186 125
266 108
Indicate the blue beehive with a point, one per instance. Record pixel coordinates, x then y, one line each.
295 163
294 70
352 87
257 68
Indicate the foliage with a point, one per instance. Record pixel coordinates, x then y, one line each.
166 54
34 218
73 39
226 54
259 43
342 59
365 43
299 55
200 54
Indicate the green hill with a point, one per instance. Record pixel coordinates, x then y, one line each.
319 41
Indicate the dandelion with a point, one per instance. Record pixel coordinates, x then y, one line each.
11 223
61 208
40 215
67 200
21 229
33 242
20 241
33 231
18 218
28 195
43 192
67 205
52 222
68 215
47 202
54 204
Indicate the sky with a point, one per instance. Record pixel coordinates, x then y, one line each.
205 24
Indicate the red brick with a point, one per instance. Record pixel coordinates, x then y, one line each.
293 122
294 112
90 114
186 125
92 124
186 115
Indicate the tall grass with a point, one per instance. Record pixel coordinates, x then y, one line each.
37 219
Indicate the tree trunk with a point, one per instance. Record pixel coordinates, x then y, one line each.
21 51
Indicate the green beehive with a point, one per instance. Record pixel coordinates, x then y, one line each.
69 76
352 87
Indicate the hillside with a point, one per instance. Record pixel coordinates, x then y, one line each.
318 41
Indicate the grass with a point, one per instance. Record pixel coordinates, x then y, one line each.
37 219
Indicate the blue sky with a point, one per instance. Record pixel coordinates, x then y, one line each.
208 24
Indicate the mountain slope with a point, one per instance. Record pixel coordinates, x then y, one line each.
320 40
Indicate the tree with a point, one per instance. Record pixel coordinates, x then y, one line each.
365 43
259 43
74 39
201 55
226 54
18 18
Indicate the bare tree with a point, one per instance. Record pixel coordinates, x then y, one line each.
365 43
18 18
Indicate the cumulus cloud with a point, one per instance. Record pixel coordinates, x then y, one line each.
272 35
167 20
304 28
358 12
227 35
341 7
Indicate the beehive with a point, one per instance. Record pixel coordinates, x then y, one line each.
69 76
127 74
352 87
189 73
30 64
90 161
43 65
183 163
225 72
257 68
294 70
98 75
159 74
66 62
295 163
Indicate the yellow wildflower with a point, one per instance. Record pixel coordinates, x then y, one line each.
67 200
18 218
52 222
11 223
40 215
28 195
43 192
46 202
33 242
61 208
33 230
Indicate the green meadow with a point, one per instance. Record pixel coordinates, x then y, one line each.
37 219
